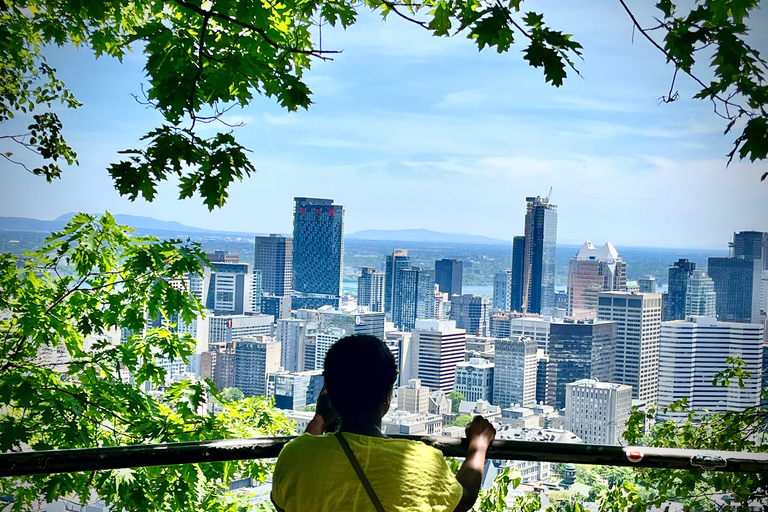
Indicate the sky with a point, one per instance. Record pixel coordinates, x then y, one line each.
413 131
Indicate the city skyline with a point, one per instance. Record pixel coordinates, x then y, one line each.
393 114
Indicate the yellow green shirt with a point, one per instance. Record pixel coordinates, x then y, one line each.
313 474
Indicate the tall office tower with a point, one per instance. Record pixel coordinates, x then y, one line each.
294 391
471 313
700 299
474 379
597 411
647 284
273 256
514 374
691 353
351 321
533 327
435 348
228 328
318 249
674 302
448 276
413 397
751 245
415 297
228 288
582 349
292 335
279 307
638 319
539 259
370 289
542 387
738 285
395 262
518 274
502 290
590 272
255 357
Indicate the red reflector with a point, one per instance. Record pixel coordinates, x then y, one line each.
635 455
332 212
317 211
301 210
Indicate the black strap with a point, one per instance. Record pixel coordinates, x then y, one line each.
356 465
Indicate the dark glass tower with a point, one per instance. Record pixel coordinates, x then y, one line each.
737 288
674 301
395 262
518 264
273 255
539 258
415 297
751 245
318 248
448 276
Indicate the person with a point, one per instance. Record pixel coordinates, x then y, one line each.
314 474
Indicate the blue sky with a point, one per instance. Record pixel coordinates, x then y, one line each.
412 131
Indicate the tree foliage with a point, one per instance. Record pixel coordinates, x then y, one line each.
66 383
456 397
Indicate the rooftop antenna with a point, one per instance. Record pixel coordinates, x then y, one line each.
549 195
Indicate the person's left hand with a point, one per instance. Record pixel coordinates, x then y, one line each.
325 409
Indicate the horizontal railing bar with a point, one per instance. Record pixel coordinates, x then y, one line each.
142 455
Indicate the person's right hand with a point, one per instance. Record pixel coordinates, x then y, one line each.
480 432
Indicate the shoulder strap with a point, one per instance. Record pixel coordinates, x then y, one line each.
356 465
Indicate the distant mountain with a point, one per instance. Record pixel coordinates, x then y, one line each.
138 222
423 235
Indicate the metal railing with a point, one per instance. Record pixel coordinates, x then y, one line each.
95 459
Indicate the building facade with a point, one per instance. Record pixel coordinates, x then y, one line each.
674 301
448 276
700 298
471 312
518 274
435 348
502 290
292 335
738 288
590 272
474 379
255 357
228 328
370 289
273 256
597 411
394 262
514 375
318 249
638 324
647 284
413 397
539 257
415 298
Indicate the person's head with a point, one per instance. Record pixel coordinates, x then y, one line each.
359 374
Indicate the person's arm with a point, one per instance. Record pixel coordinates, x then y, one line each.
480 434
325 415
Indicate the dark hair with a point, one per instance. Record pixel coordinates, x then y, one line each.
359 373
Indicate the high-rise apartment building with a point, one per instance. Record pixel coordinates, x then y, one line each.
674 301
318 249
693 351
597 411
471 313
226 288
413 397
394 263
582 349
700 298
638 319
297 390
590 272
647 284
738 285
370 289
228 328
448 276
255 357
539 258
273 256
474 379
518 273
292 335
436 347
502 290
415 297
514 374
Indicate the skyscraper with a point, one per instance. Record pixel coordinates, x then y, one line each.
225 288
583 349
518 274
590 272
436 347
596 411
292 335
539 259
647 284
751 245
370 289
502 290
415 297
514 373
700 299
471 313
691 353
674 301
273 255
318 249
255 357
394 263
738 285
638 319
448 276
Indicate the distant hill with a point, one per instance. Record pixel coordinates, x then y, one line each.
138 222
423 235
